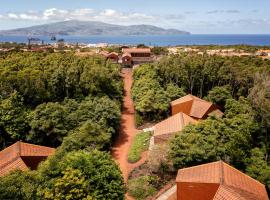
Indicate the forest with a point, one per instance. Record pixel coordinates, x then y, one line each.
70 103
240 85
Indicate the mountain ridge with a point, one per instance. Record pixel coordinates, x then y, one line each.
89 28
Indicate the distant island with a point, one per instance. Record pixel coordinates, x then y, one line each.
90 28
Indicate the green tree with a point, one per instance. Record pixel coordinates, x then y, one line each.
174 92
101 174
19 186
48 124
257 166
13 119
89 136
72 185
219 95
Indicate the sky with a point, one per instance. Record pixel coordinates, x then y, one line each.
195 16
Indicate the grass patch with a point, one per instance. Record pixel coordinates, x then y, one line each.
140 144
142 187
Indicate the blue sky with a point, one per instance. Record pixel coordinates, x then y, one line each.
196 16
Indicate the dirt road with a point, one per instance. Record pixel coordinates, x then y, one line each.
127 130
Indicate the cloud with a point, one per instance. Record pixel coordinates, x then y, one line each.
12 16
232 11
213 12
223 11
87 14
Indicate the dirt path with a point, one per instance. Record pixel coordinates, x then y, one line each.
127 129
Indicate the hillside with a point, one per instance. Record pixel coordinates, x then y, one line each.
87 28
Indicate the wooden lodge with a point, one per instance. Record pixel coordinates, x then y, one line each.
136 56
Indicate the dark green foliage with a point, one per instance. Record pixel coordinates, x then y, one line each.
61 99
102 177
257 166
19 186
48 124
219 95
199 74
142 187
149 97
89 136
139 145
13 119
45 96
71 185
102 110
174 92
43 77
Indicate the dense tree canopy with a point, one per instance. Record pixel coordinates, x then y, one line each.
100 177
215 78
69 102
45 96
42 77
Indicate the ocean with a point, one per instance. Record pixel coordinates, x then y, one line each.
172 40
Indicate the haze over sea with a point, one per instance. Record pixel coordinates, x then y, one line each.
193 39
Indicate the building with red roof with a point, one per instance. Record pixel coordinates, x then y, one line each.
217 181
167 128
195 107
22 156
136 56
113 56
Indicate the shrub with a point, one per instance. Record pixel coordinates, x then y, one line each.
138 119
140 144
142 187
101 175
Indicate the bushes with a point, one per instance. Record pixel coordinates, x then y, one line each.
140 144
142 187
19 185
138 119
100 175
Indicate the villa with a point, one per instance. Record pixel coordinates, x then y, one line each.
22 156
136 56
166 129
195 107
215 181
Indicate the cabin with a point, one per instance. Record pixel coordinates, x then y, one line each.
195 107
127 59
136 56
217 181
113 56
22 156
167 128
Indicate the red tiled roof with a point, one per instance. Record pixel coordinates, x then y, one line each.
229 193
173 124
233 183
112 53
16 163
126 55
136 50
11 157
104 53
199 107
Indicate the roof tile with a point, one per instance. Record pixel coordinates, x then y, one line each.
173 124
11 157
234 185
